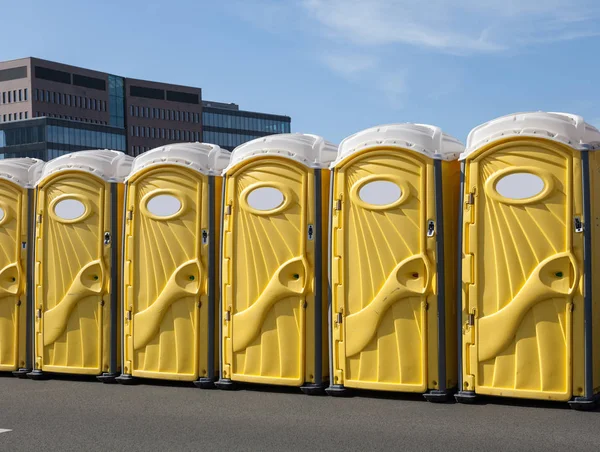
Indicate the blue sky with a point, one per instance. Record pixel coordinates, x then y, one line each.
335 66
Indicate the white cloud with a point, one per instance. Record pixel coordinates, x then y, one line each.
455 26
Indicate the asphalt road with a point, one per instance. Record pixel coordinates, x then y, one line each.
58 415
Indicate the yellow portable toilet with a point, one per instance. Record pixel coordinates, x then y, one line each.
17 180
273 314
79 211
530 248
173 213
393 221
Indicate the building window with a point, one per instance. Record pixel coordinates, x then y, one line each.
9 97
137 131
4 97
131 110
131 131
162 113
20 95
152 130
10 116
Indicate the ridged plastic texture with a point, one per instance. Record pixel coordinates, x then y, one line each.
422 138
109 165
24 172
562 127
310 150
205 158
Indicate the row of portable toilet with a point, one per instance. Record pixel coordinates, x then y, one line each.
400 261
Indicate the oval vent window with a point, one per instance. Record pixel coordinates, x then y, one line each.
69 209
265 198
520 186
1 214
380 193
164 205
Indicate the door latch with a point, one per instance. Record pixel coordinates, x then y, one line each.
338 204
471 319
128 315
470 198
38 313
311 231
338 318
107 238
204 236
430 228
578 225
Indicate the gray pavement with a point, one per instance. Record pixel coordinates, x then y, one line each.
59 415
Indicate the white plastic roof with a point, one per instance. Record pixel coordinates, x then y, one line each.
562 127
422 138
205 158
310 150
24 172
111 166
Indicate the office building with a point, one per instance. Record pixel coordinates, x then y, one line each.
228 126
48 108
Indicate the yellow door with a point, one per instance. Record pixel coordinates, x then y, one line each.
381 270
522 264
267 270
13 231
73 272
166 273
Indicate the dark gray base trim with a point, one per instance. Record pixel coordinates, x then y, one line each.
21 373
226 384
438 396
205 383
584 403
313 388
338 391
126 379
465 397
108 377
37 375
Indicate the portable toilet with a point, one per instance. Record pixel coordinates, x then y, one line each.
79 211
17 196
173 215
393 221
530 247
273 328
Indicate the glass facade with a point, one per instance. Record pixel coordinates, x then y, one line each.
229 128
91 139
116 100
47 138
227 140
22 135
258 124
